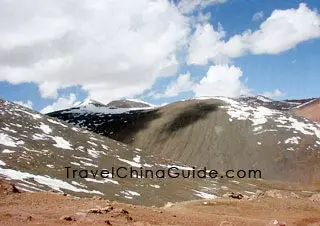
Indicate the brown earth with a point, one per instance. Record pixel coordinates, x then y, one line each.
48 208
310 111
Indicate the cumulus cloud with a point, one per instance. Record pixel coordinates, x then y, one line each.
258 16
221 80
109 50
205 45
272 94
61 103
282 31
182 84
188 6
27 103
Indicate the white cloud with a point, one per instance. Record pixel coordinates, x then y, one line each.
27 103
110 50
272 94
282 31
49 89
258 16
221 80
61 103
182 84
188 6
205 45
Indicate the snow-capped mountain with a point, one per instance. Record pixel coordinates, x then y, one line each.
35 149
129 103
217 132
282 105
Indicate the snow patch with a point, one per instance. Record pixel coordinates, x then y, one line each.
7 151
134 164
45 128
53 183
62 143
204 195
292 140
7 140
56 122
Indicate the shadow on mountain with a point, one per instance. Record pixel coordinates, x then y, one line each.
125 128
121 127
190 115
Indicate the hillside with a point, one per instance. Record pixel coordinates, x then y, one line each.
217 132
309 110
35 149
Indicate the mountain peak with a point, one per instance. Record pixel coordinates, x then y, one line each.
91 102
128 103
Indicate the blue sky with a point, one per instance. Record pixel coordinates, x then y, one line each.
282 67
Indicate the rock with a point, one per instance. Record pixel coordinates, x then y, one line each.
281 194
8 188
123 211
226 195
129 218
96 197
108 222
294 195
29 218
81 214
97 211
276 223
315 197
67 218
15 189
234 195
120 211
259 193
107 209
168 205
274 194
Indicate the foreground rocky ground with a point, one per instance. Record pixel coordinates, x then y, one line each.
274 207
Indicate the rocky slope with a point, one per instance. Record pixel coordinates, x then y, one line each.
35 149
218 132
